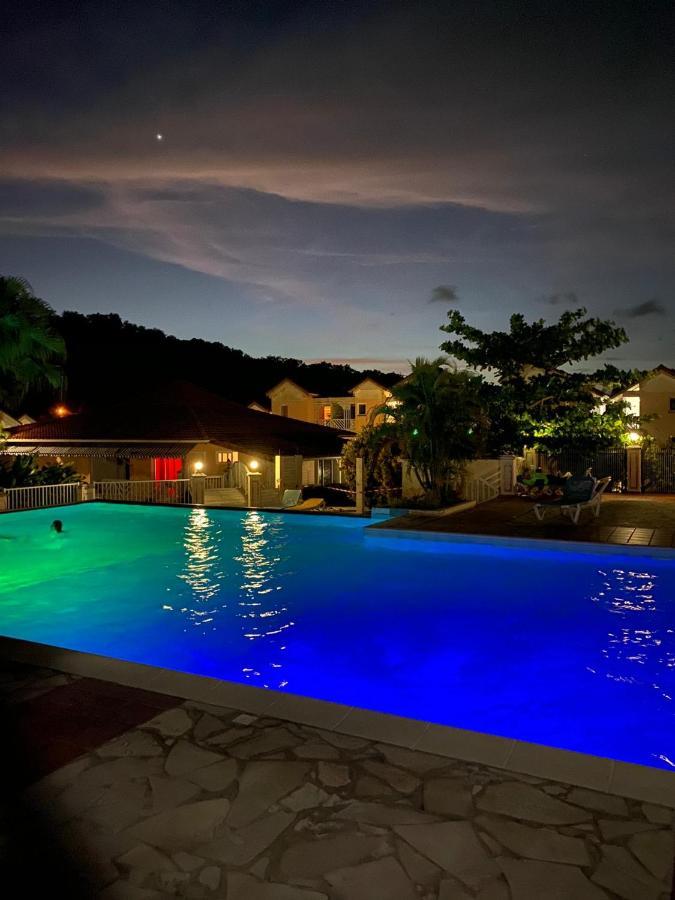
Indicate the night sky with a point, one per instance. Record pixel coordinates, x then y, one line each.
323 166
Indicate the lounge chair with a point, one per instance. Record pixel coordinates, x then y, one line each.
578 493
291 498
307 505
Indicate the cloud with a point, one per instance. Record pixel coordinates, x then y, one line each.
445 293
640 310
568 299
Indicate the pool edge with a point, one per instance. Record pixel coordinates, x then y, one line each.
637 782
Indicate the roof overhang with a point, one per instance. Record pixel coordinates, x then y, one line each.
98 449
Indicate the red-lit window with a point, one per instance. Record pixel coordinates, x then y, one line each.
163 468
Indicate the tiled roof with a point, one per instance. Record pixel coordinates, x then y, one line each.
181 412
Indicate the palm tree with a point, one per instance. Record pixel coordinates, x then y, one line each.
439 421
30 349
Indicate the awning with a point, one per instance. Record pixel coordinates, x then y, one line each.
127 451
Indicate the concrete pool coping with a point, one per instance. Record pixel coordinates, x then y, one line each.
631 780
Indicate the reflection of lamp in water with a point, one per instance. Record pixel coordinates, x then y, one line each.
253 464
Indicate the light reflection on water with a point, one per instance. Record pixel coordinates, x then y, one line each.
202 571
642 640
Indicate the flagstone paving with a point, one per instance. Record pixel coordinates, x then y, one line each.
278 811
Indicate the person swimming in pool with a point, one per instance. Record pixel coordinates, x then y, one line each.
57 526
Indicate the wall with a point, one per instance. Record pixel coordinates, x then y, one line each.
655 394
374 397
301 405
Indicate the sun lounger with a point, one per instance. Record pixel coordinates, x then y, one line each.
578 494
307 505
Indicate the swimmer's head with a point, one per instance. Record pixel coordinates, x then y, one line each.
57 526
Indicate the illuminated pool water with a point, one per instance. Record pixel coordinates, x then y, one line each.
570 649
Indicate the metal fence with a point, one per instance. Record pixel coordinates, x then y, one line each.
175 490
41 496
610 461
658 470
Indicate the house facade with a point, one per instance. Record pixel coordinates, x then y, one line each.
654 396
351 410
177 432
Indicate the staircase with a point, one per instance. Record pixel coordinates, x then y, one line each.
224 497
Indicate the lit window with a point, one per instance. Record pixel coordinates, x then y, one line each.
225 456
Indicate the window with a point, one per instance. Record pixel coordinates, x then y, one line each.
352 410
327 413
227 456
284 410
164 468
672 404
362 409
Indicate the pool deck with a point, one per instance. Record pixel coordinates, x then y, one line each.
129 792
632 520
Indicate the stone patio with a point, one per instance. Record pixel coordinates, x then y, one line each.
629 519
185 799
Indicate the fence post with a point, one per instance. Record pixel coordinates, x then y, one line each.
197 481
360 499
634 470
507 473
253 488
3 500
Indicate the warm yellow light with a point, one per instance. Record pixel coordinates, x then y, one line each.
253 464
198 466
633 436
60 411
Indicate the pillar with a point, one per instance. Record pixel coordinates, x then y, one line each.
410 484
634 470
253 488
3 500
197 481
360 487
507 474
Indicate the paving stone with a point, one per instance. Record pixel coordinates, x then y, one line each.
401 781
124 890
118 808
306 797
185 757
333 774
311 859
367 787
621 873
245 719
57 781
420 869
447 797
414 760
536 843
173 882
229 736
187 862
266 741
381 814
611 829
492 845
206 726
613 806
122 769
523 801
454 847
238 848
171 723
450 890
385 876
342 741
217 777
495 890
183 827
144 860
316 750
259 868
210 876
165 793
261 785
654 849
220 711
531 880
245 887
133 743
660 815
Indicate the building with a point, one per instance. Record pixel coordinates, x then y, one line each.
350 410
176 431
654 396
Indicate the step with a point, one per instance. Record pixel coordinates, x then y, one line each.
224 497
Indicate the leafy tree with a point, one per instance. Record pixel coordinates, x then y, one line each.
23 471
533 401
439 422
381 454
30 348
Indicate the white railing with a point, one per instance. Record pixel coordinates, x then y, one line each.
39 496
175 490
344 424
214 481
481 489
238 477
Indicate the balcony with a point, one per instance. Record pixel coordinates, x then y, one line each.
344 424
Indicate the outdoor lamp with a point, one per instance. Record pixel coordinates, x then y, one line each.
198 466
254 464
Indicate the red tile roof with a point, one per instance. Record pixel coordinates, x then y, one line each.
183 413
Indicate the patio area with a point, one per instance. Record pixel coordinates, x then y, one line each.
115 792
624 519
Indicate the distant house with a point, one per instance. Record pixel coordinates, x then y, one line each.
175 431
7 421
350 410
654 396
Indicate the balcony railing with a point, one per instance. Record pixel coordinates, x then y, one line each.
344 424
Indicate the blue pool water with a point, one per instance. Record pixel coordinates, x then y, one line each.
566 648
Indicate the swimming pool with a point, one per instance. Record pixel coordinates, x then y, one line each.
546 644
